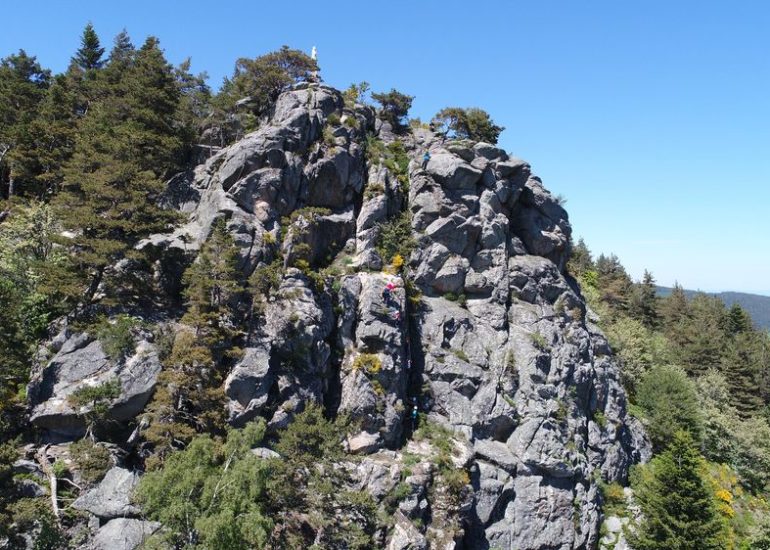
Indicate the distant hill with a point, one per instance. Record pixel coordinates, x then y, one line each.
756 305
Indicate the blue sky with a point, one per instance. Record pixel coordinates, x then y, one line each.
652 118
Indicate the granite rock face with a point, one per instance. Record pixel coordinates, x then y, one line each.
481 332
80 362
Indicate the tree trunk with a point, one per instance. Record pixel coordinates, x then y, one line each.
42 459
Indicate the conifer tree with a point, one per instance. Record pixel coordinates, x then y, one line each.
89 56
741 365
189 398
126 146
678 509
643 302
23 84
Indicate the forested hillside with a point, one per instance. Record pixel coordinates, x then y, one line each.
756 305
697 374
281 316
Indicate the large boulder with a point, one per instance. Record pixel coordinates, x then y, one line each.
123 534
111 498
82 362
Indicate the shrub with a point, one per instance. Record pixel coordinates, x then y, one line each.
116 337
471 123
355 94
600 419
374 190
328 136
395 237
370 363
539 341
91 460
333 120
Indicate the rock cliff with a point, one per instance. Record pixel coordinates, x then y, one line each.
481 330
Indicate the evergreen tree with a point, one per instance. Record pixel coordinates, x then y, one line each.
89 56
670 403
678 508
741 363
675 308
613 281
472 123
580 261
189 398
126 146
738 320
394 106
47 144
254 88
23 85
643 302
194 106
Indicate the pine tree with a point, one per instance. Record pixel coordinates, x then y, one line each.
613 281
23 85
741 364
189 398
126 146
738 320
643 302
89 56
678 509
580 260
48 142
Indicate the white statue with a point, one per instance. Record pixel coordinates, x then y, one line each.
314 54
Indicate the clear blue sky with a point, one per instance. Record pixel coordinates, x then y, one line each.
652 118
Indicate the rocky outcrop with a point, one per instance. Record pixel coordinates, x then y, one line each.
123 534
81 362
480 333
111 498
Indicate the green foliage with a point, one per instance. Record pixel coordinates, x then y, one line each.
310 437
638 348
539 341
259 81
395 237
93 402
669 400
89 56
91 460
355 93
369 363
613 499
23 84
116 336
394 106
211 492
126 147
267 278
471 123
678 508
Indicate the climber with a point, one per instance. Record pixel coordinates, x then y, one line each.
425 159
414 418
387 291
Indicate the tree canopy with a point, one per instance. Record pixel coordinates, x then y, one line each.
467 123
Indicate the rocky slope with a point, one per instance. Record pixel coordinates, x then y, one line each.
483 332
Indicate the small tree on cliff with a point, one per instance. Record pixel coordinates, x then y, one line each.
394 106
471 123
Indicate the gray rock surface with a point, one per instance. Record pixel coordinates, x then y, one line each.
496 344
81 362
111 498
123 534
